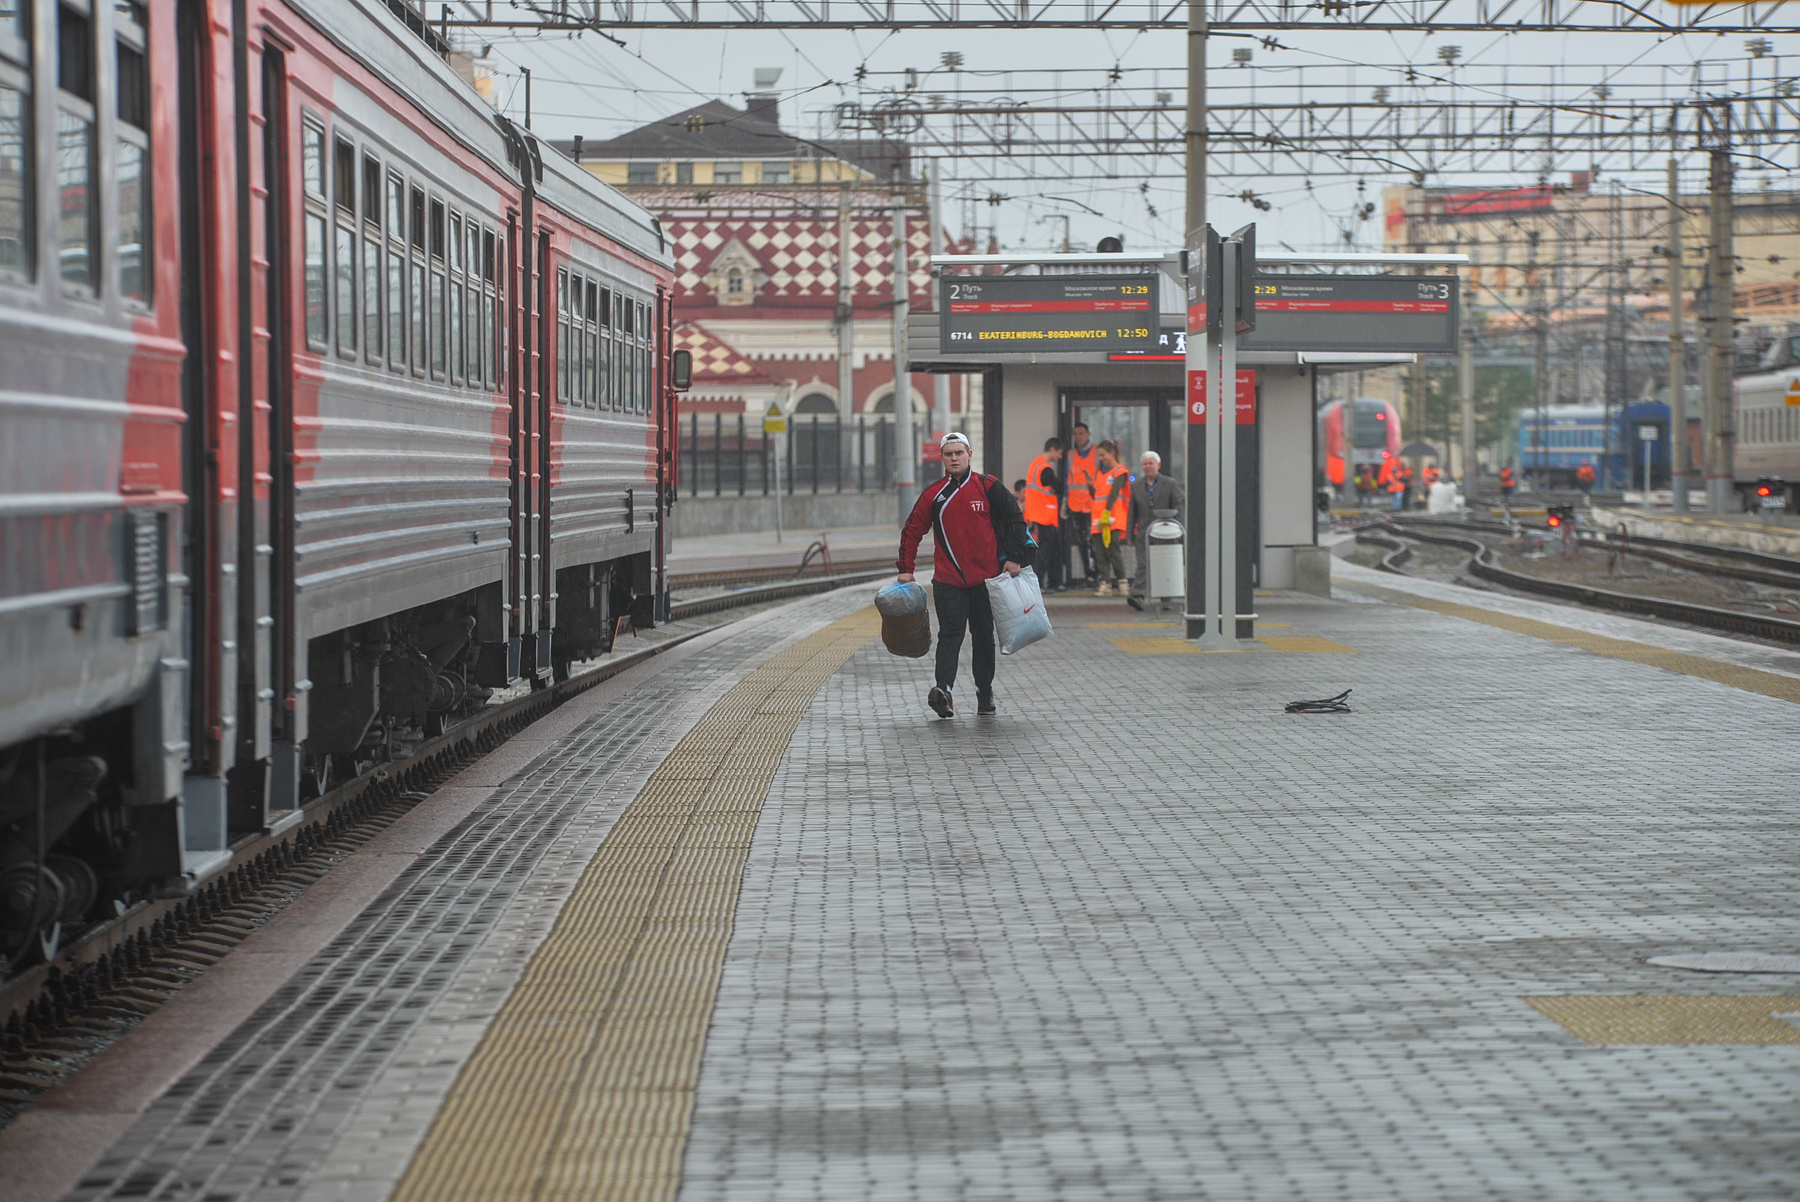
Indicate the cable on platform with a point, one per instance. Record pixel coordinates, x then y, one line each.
1339 704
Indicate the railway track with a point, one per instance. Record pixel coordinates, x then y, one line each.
56 1015
1483 565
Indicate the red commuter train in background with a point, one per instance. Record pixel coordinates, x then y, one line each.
330 403
1375 437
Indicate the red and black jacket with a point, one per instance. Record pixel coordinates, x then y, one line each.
975 526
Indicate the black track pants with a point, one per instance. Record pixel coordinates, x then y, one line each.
959 609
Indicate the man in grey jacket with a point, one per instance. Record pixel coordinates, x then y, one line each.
1150 492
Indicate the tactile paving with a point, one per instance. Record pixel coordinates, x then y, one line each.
1613 1020
583 1087
258 1117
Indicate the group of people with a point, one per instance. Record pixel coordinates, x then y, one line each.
1081 502
979 529
1394 479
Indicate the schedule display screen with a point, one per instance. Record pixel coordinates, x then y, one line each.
1027 314
1354 313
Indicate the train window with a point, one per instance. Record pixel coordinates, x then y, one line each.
562 336
416 298
396 308
132 178
396 207
15 181
74 52
346 292
312 158
455 313
438 355
344 175
371 299
134 87
315 281
371 190
75 200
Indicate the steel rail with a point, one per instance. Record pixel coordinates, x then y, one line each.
1481 565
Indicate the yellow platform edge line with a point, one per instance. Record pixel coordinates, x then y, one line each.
583 1086
1751 680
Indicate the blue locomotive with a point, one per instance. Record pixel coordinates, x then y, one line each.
1556 440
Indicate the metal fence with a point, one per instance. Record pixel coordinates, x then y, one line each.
731 456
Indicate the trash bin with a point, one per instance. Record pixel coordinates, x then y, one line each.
1168 557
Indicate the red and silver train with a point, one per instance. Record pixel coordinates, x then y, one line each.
1374 437
330 403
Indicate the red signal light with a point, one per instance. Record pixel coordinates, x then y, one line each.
1381 417
1764 490
1555 520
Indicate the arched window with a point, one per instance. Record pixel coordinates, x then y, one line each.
885 403
816 402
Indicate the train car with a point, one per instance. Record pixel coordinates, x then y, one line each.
333 403
1768 432
1375 437
1554 442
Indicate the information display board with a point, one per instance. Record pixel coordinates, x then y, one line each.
1027 314
1399 313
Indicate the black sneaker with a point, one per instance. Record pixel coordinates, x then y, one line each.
984 705
939 700
1135 603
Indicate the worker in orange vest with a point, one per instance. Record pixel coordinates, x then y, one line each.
1395 476
1040 506
1584 476
1111 492
1079 496
1506 483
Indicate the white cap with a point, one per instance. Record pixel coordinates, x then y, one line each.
953 436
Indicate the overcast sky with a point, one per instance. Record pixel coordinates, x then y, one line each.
589 86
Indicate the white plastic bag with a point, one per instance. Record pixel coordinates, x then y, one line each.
1444 498
1018 605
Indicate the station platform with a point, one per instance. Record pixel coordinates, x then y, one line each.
749 922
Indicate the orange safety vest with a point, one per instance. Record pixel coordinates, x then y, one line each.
1103 517
1040 502
1081 478
1585 473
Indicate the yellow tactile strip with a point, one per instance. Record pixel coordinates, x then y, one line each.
1624 1019
583 1086
1751 680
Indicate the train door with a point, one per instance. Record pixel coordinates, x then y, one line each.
1137 419
205 166
273 368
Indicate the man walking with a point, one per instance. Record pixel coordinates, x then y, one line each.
1040 505
1150 492
1079 500
977 530
1112 499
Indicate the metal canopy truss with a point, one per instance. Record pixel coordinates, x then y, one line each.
1422 139
1446 16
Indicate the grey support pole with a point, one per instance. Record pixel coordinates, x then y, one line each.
845 309
1678 443
1202 514
906 479
1721 281
940 383
1222 417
